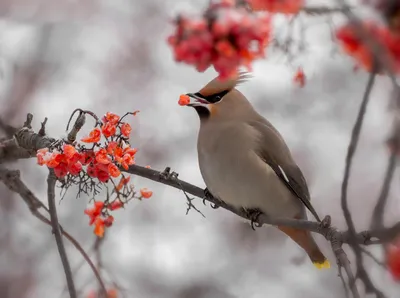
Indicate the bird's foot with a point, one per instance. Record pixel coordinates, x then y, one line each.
209 195
253 215
326 222
168 175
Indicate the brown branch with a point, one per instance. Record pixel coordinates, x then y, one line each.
11 178
365 237
51 182
32 141
79 122
28 76
10 151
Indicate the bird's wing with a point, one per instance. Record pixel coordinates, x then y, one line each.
273 150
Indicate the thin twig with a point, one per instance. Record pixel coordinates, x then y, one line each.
355 135
343 262
340 274
377 215
372 257
51 183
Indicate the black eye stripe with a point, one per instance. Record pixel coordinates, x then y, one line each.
213 98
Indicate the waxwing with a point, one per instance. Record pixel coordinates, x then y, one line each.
245 162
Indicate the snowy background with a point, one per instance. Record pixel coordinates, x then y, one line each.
56 56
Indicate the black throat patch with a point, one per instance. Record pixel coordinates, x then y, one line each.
203 112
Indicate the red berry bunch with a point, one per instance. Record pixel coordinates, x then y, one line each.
354 44
98 164
101 161
225 37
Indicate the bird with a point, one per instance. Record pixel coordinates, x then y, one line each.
245 162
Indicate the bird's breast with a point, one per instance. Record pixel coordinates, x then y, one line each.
233 171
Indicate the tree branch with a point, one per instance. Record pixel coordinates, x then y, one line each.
51 182
10 151
343 262
377 215
355 135
11 179
365 237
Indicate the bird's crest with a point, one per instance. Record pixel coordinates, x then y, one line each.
217 85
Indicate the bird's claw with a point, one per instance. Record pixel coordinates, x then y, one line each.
214 206
209 195
168 175
253 215
326 222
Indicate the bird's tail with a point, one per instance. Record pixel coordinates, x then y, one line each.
304 240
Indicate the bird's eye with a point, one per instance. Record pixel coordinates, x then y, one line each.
216 97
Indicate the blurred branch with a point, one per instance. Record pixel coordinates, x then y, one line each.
394 145
355 135
51 182
323 10
377 216
28 77
8 129
10 151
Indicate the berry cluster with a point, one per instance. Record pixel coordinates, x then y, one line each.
225 36
101 161
355 45
76 164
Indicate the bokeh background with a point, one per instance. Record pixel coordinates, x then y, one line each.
112 56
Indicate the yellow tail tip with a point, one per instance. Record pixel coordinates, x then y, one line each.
324 265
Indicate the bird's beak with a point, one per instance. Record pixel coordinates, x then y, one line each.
192 100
